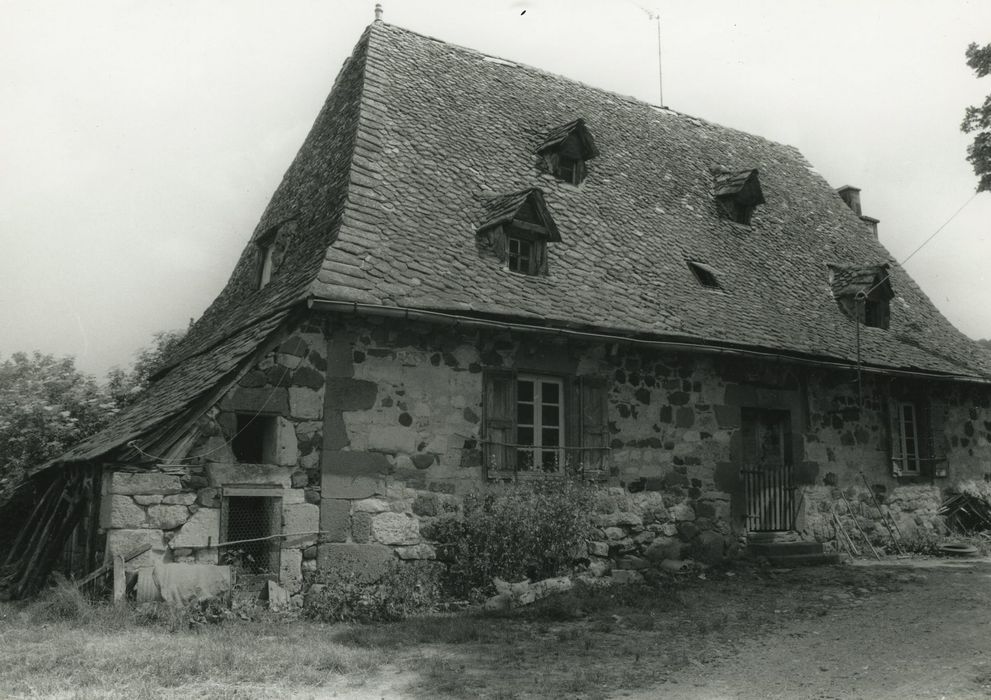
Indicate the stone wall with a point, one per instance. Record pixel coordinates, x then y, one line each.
379 428
911 511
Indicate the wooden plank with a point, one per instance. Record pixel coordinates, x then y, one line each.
120 579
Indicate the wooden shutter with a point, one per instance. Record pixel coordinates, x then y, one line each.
500 420
937 438
594 422
895 436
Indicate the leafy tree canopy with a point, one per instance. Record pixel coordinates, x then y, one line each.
126 387
46 405
977 120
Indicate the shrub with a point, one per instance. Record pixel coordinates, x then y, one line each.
405 590
528 531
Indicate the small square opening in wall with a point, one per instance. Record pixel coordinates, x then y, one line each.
254 439
251 522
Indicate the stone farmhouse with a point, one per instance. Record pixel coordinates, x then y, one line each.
475 272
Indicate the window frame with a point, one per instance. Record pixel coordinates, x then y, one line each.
910 461
583 421
918 443
273 499
537 425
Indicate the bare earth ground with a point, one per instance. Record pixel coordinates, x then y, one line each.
916 628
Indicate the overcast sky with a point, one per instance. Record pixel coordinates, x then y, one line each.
140 141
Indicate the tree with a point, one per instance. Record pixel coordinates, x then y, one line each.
126 387
46 406
978 119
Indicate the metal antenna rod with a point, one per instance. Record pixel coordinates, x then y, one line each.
656 16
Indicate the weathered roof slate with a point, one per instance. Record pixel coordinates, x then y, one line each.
854 280
175 391
419 135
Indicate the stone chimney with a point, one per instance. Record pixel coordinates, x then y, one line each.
851 195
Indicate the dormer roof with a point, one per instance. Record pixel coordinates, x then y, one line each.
573 133
526 208
742 186
866 280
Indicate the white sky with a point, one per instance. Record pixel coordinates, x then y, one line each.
140 141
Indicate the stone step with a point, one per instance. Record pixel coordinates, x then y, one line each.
790 560
780 549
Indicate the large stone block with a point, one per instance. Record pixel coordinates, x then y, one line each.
286 443
145 483
335 519
345 394
343 486
372 505
201 529
302 518
291 570
220 474
353 474
305 403
123 541
392 438
163 517
368 561
396 528
180 499
251 400
124 513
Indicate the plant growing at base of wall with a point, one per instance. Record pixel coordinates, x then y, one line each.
531 530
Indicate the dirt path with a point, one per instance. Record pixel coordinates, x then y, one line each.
930 640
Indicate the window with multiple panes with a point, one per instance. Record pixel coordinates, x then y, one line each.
543 424
539 423
570 170
918 443
520 255
908 437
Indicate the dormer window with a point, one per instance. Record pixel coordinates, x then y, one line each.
520 255
566 149
266 255
517 228
704 274
738 194
863 293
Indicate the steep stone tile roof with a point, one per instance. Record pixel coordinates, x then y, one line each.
419 138
442 128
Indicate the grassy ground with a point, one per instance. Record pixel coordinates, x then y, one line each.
585 643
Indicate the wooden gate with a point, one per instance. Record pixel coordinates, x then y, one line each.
766 469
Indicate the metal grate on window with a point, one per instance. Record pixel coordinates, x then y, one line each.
250 529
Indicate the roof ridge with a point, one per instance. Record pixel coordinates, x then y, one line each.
661 109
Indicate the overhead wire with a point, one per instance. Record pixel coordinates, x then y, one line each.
182 461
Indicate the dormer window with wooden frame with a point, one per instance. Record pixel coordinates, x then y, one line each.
566 149
863 293
738 194
266 257
517 227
